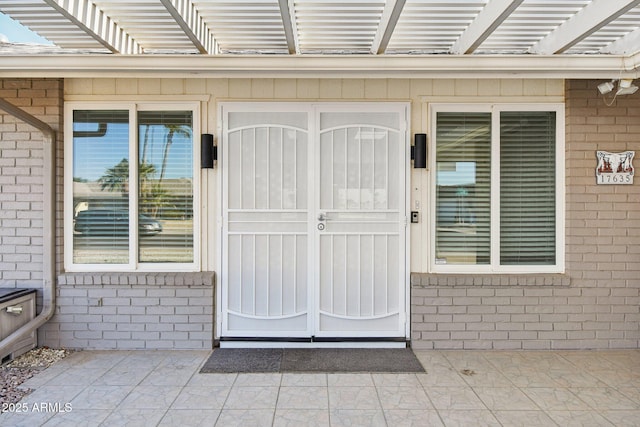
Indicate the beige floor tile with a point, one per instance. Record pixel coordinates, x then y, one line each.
412 418
190 417
77 377
303 398
50 394
485 378
123 375
301 417
245 417
215 380
79 418
523 418
620 377
201 398
150 397
632 393
134 418
622 418
304 380
476 418
403 398
100 397
578 419
556 399
169 376
43 377
454 398
395 380
252 398
24 419
525 376
505 398
258 380
441 377
573 378
353 398
350 380
430 358
357 417
605 399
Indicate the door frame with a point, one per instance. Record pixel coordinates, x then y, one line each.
404 110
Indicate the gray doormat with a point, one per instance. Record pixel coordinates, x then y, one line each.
229 360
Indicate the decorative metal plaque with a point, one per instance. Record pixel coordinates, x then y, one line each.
615 168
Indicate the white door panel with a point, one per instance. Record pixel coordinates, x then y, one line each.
265 279
361 283
313 220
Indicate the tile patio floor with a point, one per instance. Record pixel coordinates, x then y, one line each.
164 388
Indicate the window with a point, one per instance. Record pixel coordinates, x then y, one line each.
124 214
499 181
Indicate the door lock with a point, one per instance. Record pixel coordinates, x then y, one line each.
321 226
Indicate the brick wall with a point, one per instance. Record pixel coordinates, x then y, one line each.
596 304
132 311
21 189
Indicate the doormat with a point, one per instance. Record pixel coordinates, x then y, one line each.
260 360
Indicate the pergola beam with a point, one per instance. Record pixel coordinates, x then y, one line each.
286 9
587 21
92 20
490 18
192 23
627 45
388 21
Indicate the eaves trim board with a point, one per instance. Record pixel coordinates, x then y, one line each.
315 66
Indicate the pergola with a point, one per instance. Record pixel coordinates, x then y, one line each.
456 38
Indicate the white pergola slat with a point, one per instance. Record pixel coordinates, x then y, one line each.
590 19
297 28
188 18
92 20
493 14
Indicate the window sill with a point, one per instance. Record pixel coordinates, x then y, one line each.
205 278
423 280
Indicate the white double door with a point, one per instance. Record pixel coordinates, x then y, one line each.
314 220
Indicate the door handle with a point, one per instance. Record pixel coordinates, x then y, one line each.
322 217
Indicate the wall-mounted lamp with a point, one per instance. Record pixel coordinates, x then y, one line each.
606 87
419 151
625 87
208 151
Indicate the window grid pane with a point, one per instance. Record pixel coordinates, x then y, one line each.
165 186
101 187
527 188
463 188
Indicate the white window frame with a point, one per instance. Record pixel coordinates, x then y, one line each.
133 265
494 266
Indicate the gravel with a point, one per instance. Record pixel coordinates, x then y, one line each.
23 367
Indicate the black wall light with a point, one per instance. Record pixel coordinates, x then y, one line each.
419 151
208 151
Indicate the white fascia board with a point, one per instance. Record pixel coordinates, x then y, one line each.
493 14
191 22
93 21
587 21
319 66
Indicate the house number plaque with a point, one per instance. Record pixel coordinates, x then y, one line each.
615 168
